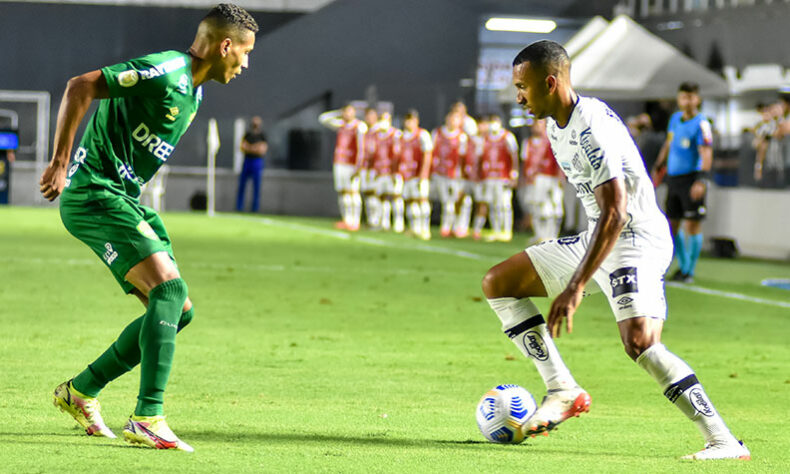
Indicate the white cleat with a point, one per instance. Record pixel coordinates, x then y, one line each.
152 431
729 449
557 406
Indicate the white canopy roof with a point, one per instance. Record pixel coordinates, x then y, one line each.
624 61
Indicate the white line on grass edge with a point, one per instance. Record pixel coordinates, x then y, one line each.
474 256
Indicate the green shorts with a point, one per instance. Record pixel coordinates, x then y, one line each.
120 231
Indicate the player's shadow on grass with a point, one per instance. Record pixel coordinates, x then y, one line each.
380 439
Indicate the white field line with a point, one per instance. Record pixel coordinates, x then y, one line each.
359 238
728 294
470 255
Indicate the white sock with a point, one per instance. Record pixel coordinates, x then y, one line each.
464 215
525 326
356 209
345 207
386 218
682 388
425 208
480 222
507 218
448 216
399 210
414 217
370 210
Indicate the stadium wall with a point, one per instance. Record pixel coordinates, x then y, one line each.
410 52
763 234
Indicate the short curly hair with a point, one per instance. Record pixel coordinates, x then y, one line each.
228 15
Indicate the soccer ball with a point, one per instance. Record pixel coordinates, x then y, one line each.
503 411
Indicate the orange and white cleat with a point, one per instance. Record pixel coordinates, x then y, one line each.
557 406
84 409
340 225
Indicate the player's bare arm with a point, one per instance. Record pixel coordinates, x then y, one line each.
662 155
698 188
611 198
80 92
425 169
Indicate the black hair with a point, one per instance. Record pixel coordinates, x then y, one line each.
547 55
233 16
412 113
688 86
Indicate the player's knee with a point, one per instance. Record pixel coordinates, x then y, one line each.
635 345
493 284
186 318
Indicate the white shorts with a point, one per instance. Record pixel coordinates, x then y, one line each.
367 182
388 185
468 187
478 191
344 178
496 191
447 189
631 277
416 189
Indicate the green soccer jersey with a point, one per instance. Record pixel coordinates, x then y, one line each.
131 134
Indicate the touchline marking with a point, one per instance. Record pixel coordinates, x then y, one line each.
358 238
727 294
474 256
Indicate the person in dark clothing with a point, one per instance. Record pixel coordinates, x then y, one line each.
254 146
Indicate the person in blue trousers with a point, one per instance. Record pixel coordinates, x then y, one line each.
254 147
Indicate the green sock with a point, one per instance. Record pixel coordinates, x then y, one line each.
158 343
121 357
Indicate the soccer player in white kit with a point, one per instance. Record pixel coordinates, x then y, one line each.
625 252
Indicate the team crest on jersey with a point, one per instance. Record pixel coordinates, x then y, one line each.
183 84
145 228
128 78
173 112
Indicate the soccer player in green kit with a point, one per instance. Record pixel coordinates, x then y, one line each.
145 106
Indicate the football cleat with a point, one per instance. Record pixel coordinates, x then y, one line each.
445 233
340 225
728 449
84 409
152 431
557 406
461 234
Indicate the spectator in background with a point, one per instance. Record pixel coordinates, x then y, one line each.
783 132
254 147
768 159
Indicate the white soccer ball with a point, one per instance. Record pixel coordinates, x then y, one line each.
503 411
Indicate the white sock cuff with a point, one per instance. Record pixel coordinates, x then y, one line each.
517 314
665 367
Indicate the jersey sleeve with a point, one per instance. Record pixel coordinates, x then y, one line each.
512 143
426 143
602 147
331 119
146 76
705 135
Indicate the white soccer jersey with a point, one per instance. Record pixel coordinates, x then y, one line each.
595 147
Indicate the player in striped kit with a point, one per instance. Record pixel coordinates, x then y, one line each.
366 173
499 172
470 164
542 193
480 206
449 146
414 167
349 150
387 184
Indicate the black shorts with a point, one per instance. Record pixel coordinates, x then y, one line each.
679 204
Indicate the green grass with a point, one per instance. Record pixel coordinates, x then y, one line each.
315 353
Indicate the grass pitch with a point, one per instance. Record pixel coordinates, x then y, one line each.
316 351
